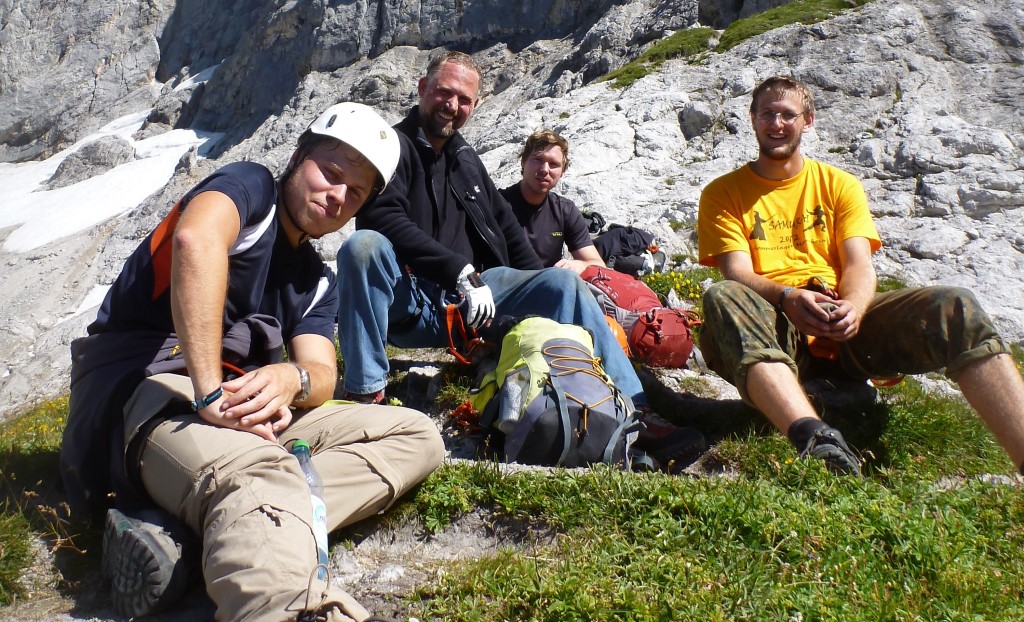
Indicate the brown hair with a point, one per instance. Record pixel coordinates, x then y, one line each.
447 56
779 87
542 139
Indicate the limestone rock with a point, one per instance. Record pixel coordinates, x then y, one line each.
93 159
918 98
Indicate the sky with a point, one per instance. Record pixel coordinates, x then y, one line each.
40 216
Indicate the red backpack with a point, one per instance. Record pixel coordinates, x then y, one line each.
621 296
663 337
657 335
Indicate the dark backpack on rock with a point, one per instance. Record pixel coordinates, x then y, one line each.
552 401
595 222
629 250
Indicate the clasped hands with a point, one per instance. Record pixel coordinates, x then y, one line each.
818 315
257 402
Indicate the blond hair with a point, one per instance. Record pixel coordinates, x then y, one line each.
780 86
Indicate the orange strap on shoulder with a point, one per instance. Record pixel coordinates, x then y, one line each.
160 246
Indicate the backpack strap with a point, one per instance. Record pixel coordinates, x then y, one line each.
454 321
563 413
698 359
629 424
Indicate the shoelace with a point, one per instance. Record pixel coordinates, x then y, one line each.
313 614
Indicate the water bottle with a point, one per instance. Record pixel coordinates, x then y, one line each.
300 449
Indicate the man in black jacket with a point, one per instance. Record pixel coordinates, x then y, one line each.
442 233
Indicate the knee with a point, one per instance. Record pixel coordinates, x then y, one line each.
363 248
959 298
561 280
424 431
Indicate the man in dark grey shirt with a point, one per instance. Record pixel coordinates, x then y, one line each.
551 221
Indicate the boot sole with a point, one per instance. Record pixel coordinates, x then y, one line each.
145 567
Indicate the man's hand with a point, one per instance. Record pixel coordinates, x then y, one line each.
844 320
820 316
262 394
258 402
804 309
575 265
477 298
267 429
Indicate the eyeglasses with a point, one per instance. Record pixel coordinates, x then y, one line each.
787 118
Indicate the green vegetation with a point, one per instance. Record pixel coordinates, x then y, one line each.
889 284
686 281
694 42
682 44
783 540
29 446
15 533
799 11
924 536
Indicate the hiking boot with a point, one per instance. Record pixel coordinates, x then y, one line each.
673 447
144 564
376 397
827 444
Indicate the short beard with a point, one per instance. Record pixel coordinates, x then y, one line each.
445 131
783 152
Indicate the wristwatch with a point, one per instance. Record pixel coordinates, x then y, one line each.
306 387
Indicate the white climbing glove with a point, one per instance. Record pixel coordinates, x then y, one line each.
477 300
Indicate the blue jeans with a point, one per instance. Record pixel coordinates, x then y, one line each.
380 302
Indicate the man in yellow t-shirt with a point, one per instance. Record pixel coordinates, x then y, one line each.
793 238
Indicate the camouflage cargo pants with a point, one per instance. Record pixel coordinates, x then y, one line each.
908 331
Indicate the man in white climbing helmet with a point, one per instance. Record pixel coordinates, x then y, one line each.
183 409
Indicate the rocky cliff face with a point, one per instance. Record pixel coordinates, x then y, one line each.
919 98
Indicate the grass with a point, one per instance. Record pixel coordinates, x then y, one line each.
922 537
29 446
693 43
889 284
681 44
785 540
799 11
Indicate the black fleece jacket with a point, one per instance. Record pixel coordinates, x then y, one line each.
407 211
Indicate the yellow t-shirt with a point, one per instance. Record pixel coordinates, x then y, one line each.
790 228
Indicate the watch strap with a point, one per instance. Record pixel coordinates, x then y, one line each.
211 397
305 385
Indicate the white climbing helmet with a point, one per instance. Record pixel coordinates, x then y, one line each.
360 127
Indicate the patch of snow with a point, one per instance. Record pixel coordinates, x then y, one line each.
42 216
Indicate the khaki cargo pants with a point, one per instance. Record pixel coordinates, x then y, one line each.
248 500
907 331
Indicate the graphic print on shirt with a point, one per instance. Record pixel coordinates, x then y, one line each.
819 218
757 233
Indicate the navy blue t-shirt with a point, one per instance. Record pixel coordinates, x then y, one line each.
265 274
